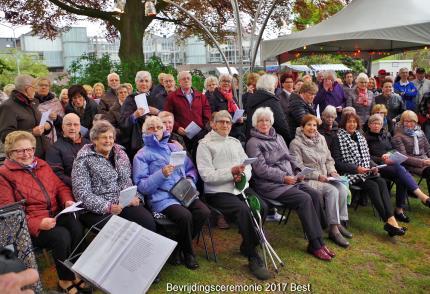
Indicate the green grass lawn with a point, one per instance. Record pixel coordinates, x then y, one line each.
372 264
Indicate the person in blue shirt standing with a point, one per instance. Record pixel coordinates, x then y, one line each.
406 89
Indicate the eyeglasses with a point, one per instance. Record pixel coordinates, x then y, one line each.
222 122
155 128
225 81
23 151
69 125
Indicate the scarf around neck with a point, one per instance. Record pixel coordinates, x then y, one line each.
415 133
362 97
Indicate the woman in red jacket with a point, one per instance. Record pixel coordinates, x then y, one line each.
24 176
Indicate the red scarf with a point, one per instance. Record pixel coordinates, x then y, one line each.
362 97
231 105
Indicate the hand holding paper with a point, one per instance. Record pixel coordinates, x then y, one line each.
142 102
72 208
237 114
127 195
45 117
305 171
191 130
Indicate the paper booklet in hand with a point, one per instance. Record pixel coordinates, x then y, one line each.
127 195
124 257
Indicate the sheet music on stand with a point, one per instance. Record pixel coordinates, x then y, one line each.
122 256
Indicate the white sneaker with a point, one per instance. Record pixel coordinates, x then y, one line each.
276 217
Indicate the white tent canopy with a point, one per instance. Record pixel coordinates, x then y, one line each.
330 67
364 27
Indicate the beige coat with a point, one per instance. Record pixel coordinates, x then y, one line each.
313 155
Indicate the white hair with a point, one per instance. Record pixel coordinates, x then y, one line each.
362 77
225 76
329 111
111 75
267 82
23 81
262 111
182 73
151 121
142 74
210 79
328 73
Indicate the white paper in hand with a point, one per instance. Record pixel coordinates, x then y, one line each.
45 117
191 130
237 114
318 111
126 195
178 158
305 171
335 179
381 166
249 161
72 208
398 157
142 102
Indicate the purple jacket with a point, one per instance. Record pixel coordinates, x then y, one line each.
336 97
274 161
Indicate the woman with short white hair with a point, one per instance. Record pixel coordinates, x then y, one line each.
274 177
132 117
360 97
264 96
329 126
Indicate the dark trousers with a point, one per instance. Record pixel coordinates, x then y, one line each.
403 179
234 208
189 221
426 175
306 201
62 239
376 189
138 214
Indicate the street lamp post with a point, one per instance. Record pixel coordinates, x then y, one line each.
14 45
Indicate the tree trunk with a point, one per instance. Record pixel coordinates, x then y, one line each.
132 28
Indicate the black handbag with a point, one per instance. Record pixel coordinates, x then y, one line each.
184 191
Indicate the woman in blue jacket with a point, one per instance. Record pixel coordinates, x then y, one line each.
155 176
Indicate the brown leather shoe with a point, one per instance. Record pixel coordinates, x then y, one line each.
222 223
321 254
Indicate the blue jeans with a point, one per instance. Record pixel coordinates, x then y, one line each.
403 179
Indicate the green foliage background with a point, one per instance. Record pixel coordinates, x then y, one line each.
90 70
28 64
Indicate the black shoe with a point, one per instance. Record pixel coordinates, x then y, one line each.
190 261
344 232
402 217
427 203
257 268
175 258
393 231
338 239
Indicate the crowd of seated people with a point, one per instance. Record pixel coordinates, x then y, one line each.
99 142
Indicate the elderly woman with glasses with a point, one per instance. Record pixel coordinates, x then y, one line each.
26 177
155 176
210 84
381 110
274 177
100 172
379 141
411 141
360 97
220 163
351 154
310 150
223 99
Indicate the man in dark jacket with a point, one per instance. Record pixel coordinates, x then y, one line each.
300 105
265 97
287 83
62 153
20 113
110 97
